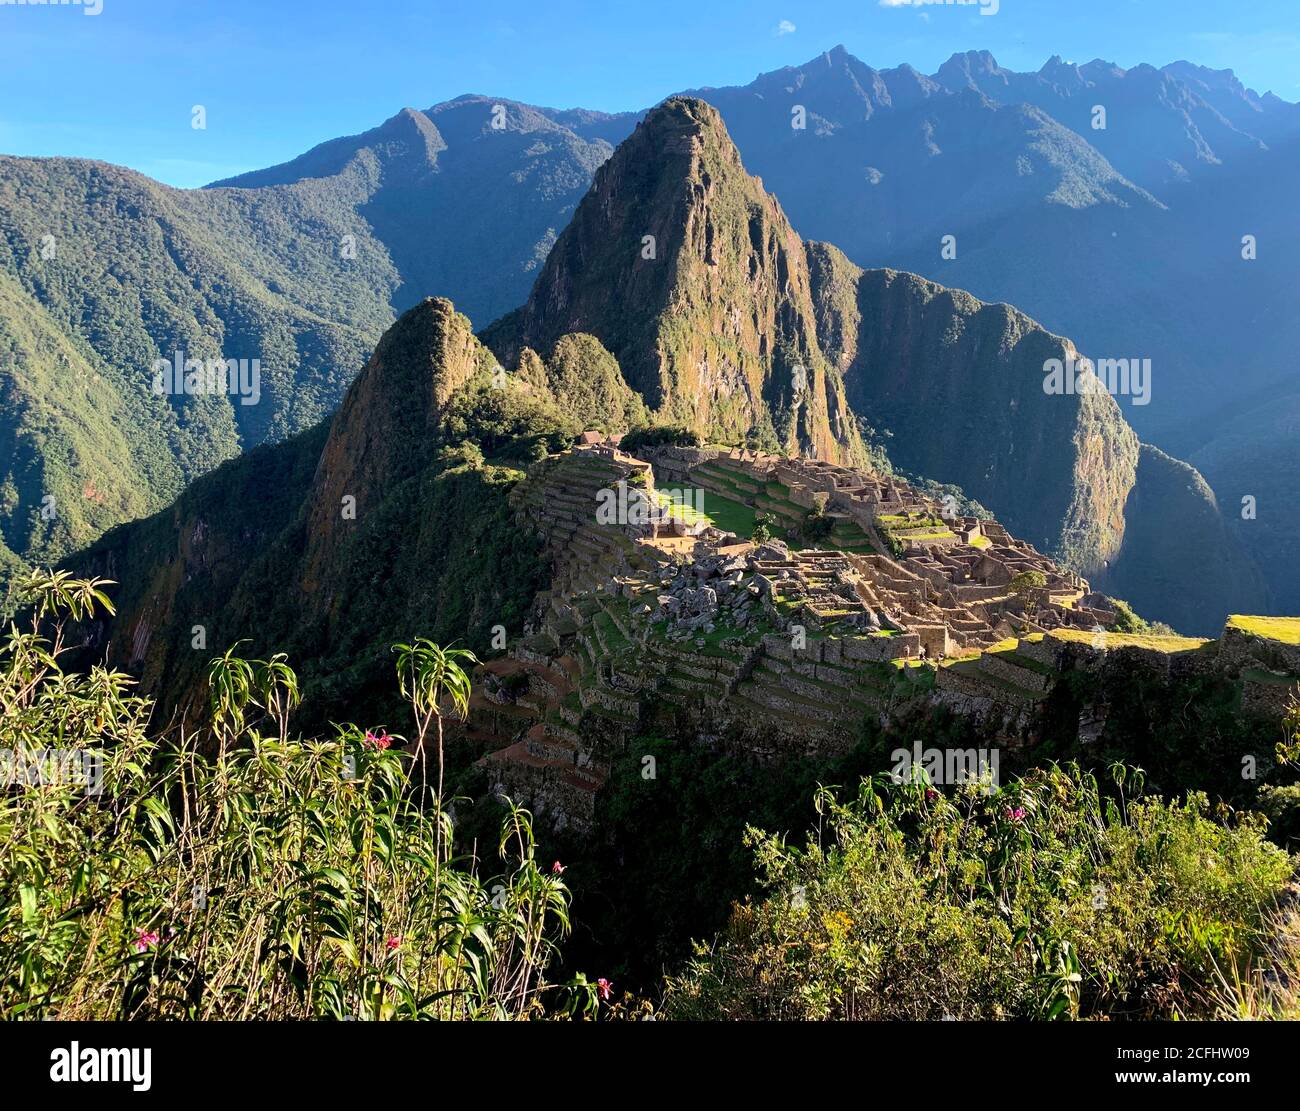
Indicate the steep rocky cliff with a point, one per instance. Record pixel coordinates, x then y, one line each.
1179 558
337 543
959 384
689 273
384 431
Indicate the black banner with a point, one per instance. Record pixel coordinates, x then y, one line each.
225 1060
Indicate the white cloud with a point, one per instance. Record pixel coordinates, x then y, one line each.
785 27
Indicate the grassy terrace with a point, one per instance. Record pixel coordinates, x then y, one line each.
730 513
920 527
1003 647
738 481
908 520
1285 630
742 498
1110 641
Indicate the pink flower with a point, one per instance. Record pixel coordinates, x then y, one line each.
1015 815
377 741
557 869
605 988
144 939
931 794
393 944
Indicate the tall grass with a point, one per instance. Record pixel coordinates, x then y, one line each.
236 871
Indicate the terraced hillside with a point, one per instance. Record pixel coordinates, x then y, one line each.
779 650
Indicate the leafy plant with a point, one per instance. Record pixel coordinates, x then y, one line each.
763 523
1046 899
232 870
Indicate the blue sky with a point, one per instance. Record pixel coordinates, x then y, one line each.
276 77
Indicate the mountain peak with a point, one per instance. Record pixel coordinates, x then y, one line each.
407 144
690 274
413 126
383 431
1058 71
969 69
423 358
684 113
974 61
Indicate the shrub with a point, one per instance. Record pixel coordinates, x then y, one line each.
661 435
1127 621
1040 900
817 524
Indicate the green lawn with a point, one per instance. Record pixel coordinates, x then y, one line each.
734 516
1132 640
1285 630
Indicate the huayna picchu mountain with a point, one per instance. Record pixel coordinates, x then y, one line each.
689 273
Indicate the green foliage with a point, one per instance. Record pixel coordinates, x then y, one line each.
1281 805
669 858
1288 749
507 423
277 877
1025 583
135 271
587 384
817 525
1126 621
659 435
948 493
1041 900
763 524
301 266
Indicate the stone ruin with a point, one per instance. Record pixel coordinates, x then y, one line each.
788 647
